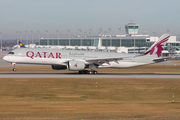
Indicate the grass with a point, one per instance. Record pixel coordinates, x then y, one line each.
65 97
172 59
141 69
80 96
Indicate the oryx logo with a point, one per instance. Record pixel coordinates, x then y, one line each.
75 65
158 48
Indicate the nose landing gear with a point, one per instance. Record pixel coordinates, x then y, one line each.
14 69
14 64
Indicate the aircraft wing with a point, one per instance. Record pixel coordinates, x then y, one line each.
105 59
98 61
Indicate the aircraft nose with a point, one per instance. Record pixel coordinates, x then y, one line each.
6 58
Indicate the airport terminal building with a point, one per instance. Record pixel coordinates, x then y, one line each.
128 43
104 40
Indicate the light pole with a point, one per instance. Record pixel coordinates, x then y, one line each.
100 29
89 33
91 30
32 36
84 34
105 32
120 35
47 37
154 35
69 36
111 36
17 36
27 37
58 35
39 36
81 35
145 32
20 36
1 42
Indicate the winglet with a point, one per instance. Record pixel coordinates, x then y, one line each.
158 46
21 45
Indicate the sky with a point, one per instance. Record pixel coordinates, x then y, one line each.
41 15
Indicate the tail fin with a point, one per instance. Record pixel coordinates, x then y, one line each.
21 45
158 46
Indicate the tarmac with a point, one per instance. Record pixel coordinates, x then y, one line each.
100 75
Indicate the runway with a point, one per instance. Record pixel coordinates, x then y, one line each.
99 75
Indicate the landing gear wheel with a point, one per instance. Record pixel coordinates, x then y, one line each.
81 72
90 72
95 72
86 72
14 69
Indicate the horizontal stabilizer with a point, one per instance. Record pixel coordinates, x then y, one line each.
160 59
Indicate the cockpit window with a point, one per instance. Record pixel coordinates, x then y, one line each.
11 53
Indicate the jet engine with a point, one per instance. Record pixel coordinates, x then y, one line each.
59 67
76 65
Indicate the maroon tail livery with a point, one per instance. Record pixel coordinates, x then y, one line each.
158 46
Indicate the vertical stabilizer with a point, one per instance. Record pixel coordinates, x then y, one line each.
158 46
21 45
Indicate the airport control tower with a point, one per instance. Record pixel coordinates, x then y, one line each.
131 28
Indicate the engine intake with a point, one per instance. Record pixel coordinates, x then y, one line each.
76 65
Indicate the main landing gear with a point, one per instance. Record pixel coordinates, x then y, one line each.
87 72
14 64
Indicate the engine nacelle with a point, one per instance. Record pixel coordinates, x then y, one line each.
59 67
76 65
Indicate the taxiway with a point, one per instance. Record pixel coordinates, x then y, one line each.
99 75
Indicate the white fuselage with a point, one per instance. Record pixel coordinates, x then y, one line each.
60 57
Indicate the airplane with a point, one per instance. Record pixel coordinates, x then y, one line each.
75 60
177 56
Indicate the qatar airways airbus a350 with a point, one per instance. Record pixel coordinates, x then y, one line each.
81 60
